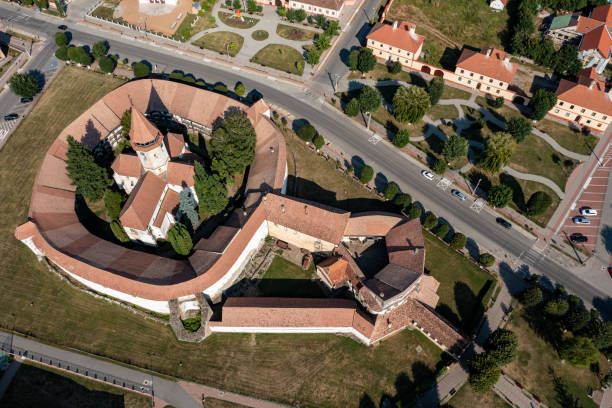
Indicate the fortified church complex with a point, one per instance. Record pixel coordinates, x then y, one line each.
396 296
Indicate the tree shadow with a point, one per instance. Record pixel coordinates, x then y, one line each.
366 401
39 77
448 313
604 306
473 249
418 80
469 305
518 197
564 396
449 58
606 238
485 182
380 181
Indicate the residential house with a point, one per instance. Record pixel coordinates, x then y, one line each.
489 71
395 42
329 8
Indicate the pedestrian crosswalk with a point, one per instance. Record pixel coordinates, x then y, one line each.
532 256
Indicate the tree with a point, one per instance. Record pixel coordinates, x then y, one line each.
332 28
458 241
62 53
141 70
352 108
366 174
566 61
410 104
484 372
320 20
578 351
370 99
519 128
99 49
125 122
353 60
430 220
90 179
61 39
239 89
233 143
442 230
439 166
401 138
313 57
322 42
601 334
532 296
556 307
106 64
211 191
499 196
187 210
497 102
85 59
290 14
395 67
455 148
118 231
487 260
499 148
541 103
502 345
538 203
113 200
577 318
402 200
300 15
251 6
179 238
435 90
391 190
236 4
24 85
366 60
75 53
414 211
306 132
318 141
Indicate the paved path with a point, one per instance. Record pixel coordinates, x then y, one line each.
198 391
533 177
445 387
507 388
8 376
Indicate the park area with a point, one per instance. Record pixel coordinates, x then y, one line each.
281 57
223 42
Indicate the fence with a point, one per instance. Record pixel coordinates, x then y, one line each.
77 369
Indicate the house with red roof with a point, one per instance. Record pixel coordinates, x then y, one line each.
489 71
395 42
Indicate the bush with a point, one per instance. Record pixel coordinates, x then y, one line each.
402 200
180 239
395 67
541 103
113 200
442 230
61 39
193 323
366 174
578 351
538 203
401 138
532 296
318 141
220 88
306 132
430 220
519 128
499 196
435 90
497 102
106 64
487 260
141 70
391 190
484 372
414 211
118 231
502 345
556 307
439 166
239 89
313 57
458 241
62 53
352 108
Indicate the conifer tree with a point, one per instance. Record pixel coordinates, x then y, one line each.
89 178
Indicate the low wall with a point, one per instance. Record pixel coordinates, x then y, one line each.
217 327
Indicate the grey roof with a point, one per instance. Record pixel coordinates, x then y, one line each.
397 277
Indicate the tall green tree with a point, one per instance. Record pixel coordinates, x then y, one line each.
353 60
366 174
502 344
519 128
499 196
410 104
484 372
141 70
402 200
370 99
601 334
187 210
577 318
401 138
211 191
180 239
391 190
113 201
126 122
99 49
538 203
313 57
435 90
455 148
90 179
430 220
233 143
300 15
532 296
366 60
24 85
556 307
578 351
106 64
62 53
323 42
60 39
458 241
541 103
352 108
118 231
499 148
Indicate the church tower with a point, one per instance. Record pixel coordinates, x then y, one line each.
148 143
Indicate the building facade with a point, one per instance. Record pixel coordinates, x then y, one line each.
396 42
489 71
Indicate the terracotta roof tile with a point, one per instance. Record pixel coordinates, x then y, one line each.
180 174
400 36
143 200
335 270
426 290
580 95
371 224
127 165
406 247
169 205
492 66
144 136
175 143
586 24
218 240
603 13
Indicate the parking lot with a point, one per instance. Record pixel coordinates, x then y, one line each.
592 197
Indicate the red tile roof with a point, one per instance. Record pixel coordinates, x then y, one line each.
127 165
143 200
175 143
335 269
595 99
603 13
144 136
598 39
586 24
492 66
180 174
402 36
169 205
371 224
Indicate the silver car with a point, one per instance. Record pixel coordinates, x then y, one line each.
581 220
588 212
458 194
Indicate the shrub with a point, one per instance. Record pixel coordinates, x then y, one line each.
118 231
519 128
61 39
62 53
497 102
439 166
455 148
106 64
306 132
538 203
24 85
402 200
370 99
395 67
532 296
430 220
239 89
313 57
180 239
541 103
113 200
99 49
487 260
141 70
435 90
556 307
458 241
401 138
318 141
414 211
442 230
220 88
391 190
366 174
578 351
499 196
352 108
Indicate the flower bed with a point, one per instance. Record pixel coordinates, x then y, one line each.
231 20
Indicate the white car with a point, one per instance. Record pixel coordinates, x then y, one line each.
427 175
581 220
589 212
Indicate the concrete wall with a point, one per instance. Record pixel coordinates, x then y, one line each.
331 330
298 239
125 182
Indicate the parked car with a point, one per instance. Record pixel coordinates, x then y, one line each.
458 194
581 220
427 175
62 27
578 238
503 223
26 100
587 211
11 116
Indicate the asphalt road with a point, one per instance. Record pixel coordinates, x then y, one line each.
348 137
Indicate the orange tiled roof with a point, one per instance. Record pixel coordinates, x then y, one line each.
141 204
336 270
598 39
586 24
492 66
371 224
401 36
175 143
180 174
127 165
144 136
169 205
603 13
594 99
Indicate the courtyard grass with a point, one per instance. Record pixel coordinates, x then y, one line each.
381 73
295 33
228 19
442 112
450 92
286 279
568 138
281 57
466 397
537 362
219 41
36 385
310 369
260 35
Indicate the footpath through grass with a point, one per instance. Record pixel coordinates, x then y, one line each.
37 385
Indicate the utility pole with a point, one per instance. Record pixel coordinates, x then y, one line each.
369 119
476 188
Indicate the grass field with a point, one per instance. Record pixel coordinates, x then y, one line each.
381 73
247 22
537 363
286 279
37 386
571 140
442 112
466 398
295 33
281 57
217 403
450 92
220 41
104 12
259 35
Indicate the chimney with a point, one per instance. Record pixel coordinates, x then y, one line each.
395 25
381 294
488 54
306 209
271 149
591 84
283 208
411 29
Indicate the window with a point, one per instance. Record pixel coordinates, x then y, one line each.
490 81
604 118
560 103
391 48
497 91
462 71
407 61
309 8
471 74
582 111
589 121
501 84
380 52
567 114
481 77
571 106
488 88
469 81
593 114
556 110
459 79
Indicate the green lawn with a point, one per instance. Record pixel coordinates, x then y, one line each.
568 138
466 398
104 12
220 41
281 57
286 279
37 385
246 22
381 73
259 35
442 112
464 289
450 92
295 33
537 362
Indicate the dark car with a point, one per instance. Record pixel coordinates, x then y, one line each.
11 116
503 223
26 100
610 271
62 27
577 237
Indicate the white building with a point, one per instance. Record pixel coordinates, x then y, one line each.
498 5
